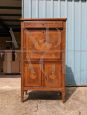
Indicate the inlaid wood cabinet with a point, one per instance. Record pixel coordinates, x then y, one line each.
43 55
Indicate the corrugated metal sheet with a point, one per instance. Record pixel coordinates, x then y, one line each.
76 43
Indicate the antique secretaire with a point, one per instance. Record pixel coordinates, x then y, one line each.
43 44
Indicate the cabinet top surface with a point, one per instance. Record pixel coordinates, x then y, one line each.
43 19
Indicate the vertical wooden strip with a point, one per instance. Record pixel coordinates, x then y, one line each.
63 57
22 63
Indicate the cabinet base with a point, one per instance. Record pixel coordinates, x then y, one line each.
25 92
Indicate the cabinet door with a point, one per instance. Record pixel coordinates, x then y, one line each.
52 75
32 75
44 44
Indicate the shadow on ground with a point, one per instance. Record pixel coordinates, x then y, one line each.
70 82
50 95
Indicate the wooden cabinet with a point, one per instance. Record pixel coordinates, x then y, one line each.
43 55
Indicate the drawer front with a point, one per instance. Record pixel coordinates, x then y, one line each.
44 44
32 75
43 24
52 75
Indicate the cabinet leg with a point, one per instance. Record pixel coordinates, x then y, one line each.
22 96
63 97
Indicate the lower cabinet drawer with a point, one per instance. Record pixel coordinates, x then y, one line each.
52 75
32 74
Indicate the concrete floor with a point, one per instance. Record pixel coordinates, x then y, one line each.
40 103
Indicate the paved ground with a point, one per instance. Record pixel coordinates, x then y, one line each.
40 103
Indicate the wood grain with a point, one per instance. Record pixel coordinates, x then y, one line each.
43 55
